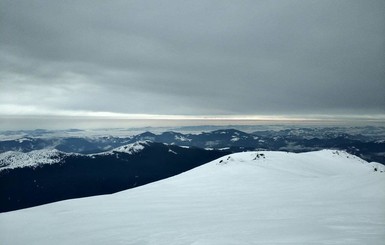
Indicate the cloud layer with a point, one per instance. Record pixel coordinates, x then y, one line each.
193 57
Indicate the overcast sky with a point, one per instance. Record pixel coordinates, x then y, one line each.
192 57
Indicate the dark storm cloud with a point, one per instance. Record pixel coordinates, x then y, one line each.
194 57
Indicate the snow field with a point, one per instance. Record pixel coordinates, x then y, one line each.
320 197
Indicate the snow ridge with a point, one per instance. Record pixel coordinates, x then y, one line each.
128 149
327 163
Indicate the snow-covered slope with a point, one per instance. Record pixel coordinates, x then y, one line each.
324 197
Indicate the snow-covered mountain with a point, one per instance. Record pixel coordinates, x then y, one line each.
323 197
17 159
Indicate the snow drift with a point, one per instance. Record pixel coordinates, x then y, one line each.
325 197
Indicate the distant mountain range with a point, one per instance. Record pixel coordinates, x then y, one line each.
370 147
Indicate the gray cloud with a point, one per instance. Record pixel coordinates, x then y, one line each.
194 57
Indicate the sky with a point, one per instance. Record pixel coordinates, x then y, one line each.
192 59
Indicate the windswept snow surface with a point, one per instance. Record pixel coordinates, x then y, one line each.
324 197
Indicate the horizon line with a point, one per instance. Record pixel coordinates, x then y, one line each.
241 117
